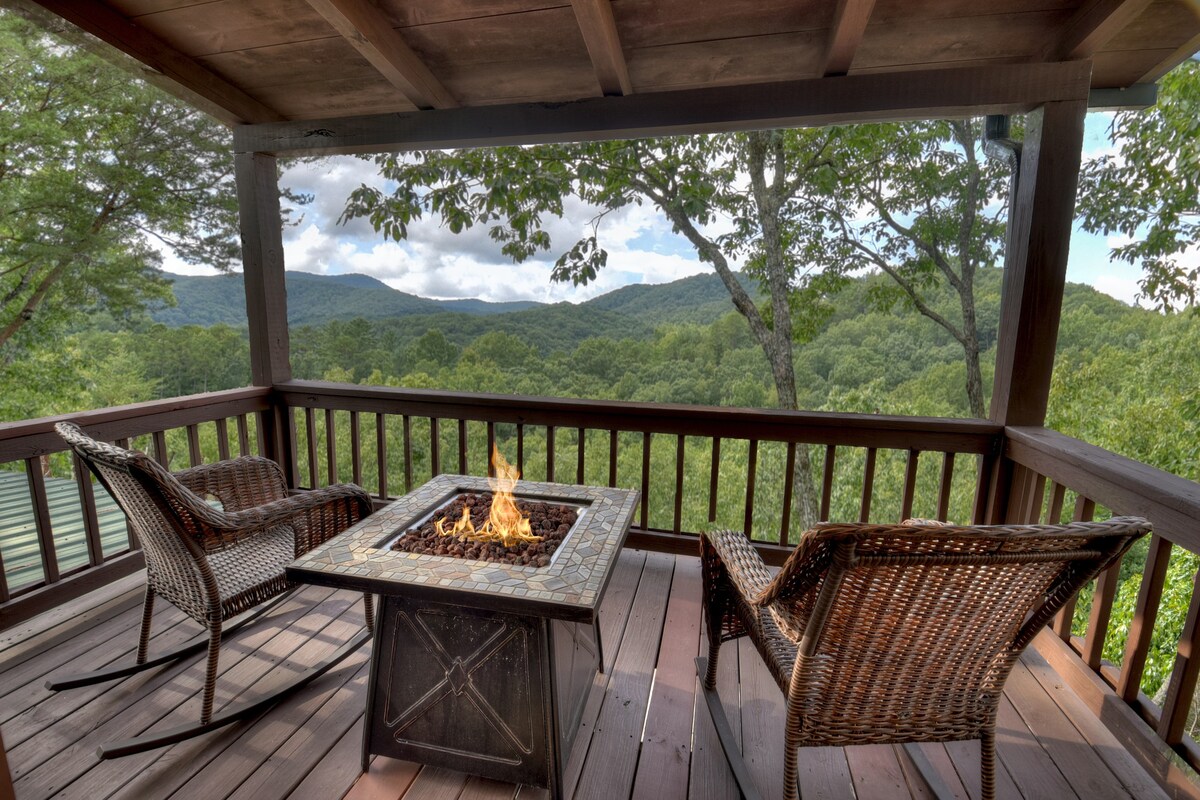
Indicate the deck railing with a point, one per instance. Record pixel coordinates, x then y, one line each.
1055 476
696 468
73 558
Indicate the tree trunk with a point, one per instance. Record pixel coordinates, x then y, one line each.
970 343
806 508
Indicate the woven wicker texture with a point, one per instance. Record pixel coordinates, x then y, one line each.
212 562
899 633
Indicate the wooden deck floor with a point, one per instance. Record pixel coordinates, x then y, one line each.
642 735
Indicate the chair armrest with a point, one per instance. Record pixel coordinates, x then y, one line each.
316 515
239 483
741 561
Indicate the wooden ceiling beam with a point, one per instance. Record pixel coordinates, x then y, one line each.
1181 54
372 35
599 29
875 97
107 25
849 26
1092 26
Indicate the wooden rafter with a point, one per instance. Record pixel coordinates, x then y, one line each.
849 25
926 94
599 30
1181 54
1093 25
372 35
102 22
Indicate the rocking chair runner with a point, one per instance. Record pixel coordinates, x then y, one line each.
214 564
884 634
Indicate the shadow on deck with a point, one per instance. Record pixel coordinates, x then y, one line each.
643 734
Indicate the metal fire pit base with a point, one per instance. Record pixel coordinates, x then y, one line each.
494 694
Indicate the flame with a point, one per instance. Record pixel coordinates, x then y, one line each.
505 523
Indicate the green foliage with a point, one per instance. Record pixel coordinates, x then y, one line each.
1149 191
92 165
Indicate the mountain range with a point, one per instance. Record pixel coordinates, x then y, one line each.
318 299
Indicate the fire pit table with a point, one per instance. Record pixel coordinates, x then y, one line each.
479 666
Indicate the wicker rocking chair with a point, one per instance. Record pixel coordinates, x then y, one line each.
883 634
215 564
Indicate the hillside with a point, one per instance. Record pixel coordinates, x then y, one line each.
318 299
312 300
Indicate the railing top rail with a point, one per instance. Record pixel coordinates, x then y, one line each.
1122 484
34 437
866 430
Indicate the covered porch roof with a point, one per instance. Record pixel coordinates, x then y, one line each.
302 60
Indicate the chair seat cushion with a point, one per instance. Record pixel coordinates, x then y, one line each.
252 571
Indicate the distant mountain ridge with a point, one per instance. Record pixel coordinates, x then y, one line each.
318 299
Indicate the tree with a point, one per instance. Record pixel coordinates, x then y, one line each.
1149 191
94 165
924 212
756 180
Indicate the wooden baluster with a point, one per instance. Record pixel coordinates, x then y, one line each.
406 445
1084 510
679 454
87 501
1058 493
910 484
943 506
331 465
550 436
520 448
751 479
827 482
243 431
581 438
1100 615
612 458
260 435
222 439
1181 686
1145 613
4 593
714 477
491 448
789 476
864 512
645 515
988 464
41 518
195 457
160 449
463 467
310 431
130 535
435 448
1033 503
355 449
381 463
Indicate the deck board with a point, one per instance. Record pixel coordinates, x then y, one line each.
645 734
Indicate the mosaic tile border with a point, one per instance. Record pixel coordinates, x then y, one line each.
575 577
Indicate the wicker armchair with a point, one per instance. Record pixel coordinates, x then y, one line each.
896 633
214 563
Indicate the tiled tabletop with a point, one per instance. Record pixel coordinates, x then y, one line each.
569 587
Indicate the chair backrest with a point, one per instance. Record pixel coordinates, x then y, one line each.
158 508
908 632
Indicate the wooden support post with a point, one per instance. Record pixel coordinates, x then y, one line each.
1035 272
266 292
1035 268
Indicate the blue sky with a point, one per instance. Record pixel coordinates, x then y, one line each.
642 248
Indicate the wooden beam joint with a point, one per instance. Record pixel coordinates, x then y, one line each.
599 30
371 33
846 34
